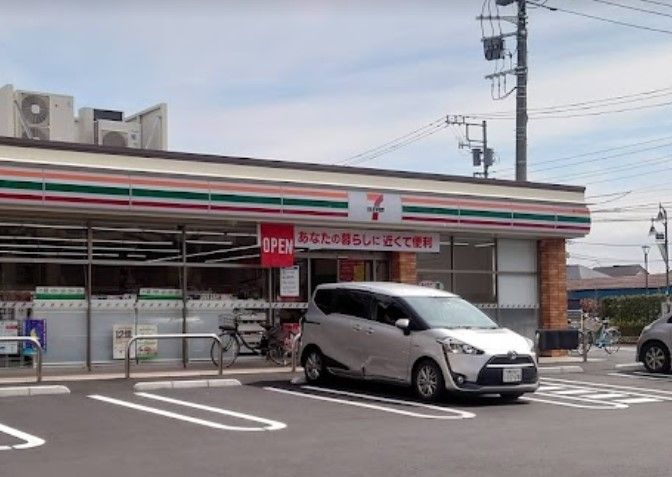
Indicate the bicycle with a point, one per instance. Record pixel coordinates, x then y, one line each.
604 337
273 343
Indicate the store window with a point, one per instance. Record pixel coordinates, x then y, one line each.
464 265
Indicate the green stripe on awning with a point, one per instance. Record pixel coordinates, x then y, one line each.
25 185
251 199
86 189
316 203
429 210
171 194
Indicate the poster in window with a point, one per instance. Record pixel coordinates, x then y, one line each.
290 281
35 329
9 328
122 334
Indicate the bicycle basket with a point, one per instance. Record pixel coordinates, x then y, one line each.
227 321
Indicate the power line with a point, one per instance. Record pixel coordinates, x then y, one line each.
599 151
579 115
564 177
395 141
637 9
611 156
654 2
607 20
614 100
630 176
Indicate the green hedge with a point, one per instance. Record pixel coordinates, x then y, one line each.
632 313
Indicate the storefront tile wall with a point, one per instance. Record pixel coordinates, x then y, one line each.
403 267
552 286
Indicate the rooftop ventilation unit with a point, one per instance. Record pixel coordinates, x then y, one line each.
43 116
117 134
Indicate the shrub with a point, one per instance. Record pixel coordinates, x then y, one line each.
632 313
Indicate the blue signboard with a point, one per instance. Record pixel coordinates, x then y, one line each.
38 330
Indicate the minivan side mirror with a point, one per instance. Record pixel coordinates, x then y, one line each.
403 324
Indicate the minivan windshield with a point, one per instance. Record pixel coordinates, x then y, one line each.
449 312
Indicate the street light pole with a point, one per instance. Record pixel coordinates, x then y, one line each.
645 249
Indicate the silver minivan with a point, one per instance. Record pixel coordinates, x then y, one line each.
405 334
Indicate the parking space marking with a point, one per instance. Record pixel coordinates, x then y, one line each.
632 390
271 425
451 413
638 400
30 440
575 402
605 396
569 392
598 396
193 420
635 376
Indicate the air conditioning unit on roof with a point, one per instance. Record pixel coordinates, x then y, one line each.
117 133
43 116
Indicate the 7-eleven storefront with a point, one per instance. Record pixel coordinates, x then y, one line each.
97 243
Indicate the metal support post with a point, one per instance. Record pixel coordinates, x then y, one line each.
183 272
38 347
89 289
212 336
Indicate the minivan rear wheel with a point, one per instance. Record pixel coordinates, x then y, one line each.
428 381
313 366
656 358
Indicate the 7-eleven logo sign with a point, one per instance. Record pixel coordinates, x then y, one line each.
376 208
371 207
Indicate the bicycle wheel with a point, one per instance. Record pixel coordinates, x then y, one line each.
612 340
230 350
278 354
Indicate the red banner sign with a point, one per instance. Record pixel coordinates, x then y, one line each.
277 245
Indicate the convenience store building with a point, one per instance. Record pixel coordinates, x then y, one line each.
97 240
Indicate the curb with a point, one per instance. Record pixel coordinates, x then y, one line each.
33 391
629 366
560 369
191 384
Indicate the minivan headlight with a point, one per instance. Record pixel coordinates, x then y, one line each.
453 346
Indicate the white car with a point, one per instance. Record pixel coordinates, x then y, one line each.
412 335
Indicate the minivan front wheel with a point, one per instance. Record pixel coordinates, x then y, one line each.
313 366
428 381
656 358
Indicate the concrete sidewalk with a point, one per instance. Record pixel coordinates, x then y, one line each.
245 365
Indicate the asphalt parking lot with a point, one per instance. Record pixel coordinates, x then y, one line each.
601 423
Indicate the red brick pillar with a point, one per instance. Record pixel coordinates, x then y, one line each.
552 286
403 268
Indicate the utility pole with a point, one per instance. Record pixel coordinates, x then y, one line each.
645 249
521 93
663 243
495 50
481 154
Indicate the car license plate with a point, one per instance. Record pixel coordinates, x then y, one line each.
512 375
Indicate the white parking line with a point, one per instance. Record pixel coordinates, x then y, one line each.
604 396
658 376
181 417
634 391
638 400
572 401
30 441
633 376
270 424
452 413
569 392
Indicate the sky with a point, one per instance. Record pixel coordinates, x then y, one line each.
328 81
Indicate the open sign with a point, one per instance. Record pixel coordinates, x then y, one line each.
277 245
